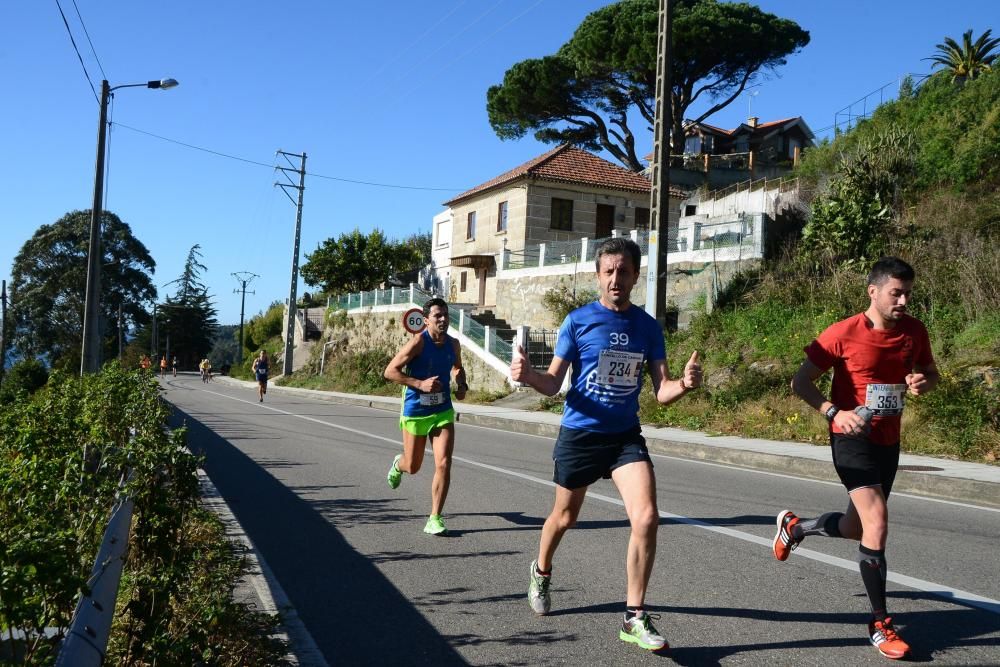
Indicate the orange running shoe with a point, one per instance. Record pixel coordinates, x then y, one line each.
883 637
783 540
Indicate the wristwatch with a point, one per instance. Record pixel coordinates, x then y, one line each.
831 412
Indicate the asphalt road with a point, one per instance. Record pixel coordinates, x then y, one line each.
306 478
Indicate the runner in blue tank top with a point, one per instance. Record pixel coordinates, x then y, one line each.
608 343
424 367
260 369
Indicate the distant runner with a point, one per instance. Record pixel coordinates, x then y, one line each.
877 357
424 367
163 367
260 366
173 363
608 343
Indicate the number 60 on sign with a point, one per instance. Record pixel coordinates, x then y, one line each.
413 320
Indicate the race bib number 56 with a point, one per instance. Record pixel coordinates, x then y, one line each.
885 400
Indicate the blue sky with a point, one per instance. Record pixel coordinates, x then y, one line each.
385 91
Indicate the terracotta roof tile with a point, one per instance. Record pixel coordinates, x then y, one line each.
566 164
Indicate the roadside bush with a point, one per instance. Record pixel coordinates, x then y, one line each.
263 327
563 299
63 454
27 376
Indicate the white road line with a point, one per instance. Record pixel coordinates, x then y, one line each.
939 590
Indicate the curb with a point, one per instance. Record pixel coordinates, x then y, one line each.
943 487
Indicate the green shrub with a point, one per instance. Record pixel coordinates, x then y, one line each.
564 299
25 377
62 454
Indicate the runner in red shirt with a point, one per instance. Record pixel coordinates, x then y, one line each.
877 357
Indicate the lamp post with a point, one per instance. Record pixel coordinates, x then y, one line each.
90 361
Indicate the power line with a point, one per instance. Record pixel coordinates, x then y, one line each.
92 49
479 44
271 165
415 42
73 42
449 40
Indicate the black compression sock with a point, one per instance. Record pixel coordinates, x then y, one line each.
827 525
872 564
633 612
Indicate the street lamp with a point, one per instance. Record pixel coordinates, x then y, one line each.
90 361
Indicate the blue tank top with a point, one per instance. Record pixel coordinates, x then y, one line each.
609 351
432 360
261 367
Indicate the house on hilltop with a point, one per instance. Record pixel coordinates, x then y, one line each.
751 145
565 194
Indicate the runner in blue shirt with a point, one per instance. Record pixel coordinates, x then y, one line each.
424 367
608 343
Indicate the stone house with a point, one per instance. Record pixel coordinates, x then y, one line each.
563 195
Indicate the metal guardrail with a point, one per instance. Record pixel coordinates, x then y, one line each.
87 639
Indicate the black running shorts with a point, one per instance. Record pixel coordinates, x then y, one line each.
583 457
861 463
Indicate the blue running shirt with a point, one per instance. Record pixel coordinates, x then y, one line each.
609 351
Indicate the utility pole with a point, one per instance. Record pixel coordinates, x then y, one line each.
3 329
119 332
153 347
292 288
244 278
90 353
656 269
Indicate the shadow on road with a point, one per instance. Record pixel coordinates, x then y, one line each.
332 586
926 631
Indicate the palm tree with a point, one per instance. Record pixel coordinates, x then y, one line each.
969 59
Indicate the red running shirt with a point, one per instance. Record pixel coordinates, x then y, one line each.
861 355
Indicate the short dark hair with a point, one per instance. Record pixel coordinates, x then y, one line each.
436 301
619 246
890 267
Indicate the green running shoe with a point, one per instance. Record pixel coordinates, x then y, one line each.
538 591
435 525
395 475
639 630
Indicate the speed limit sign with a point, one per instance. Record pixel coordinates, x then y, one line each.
413 320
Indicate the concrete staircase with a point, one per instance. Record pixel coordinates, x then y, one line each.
488 319
313 320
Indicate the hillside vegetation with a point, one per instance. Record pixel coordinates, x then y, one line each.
919 180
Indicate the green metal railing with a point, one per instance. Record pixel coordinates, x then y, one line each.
465 325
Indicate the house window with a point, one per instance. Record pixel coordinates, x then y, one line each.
641 218
502 217
692 145
708 144
441 240
470 227
461 286
690 209
562 214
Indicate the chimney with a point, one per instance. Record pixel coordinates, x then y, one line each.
752 121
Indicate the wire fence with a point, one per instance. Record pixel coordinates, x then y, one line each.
725 234
521 259
562 252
